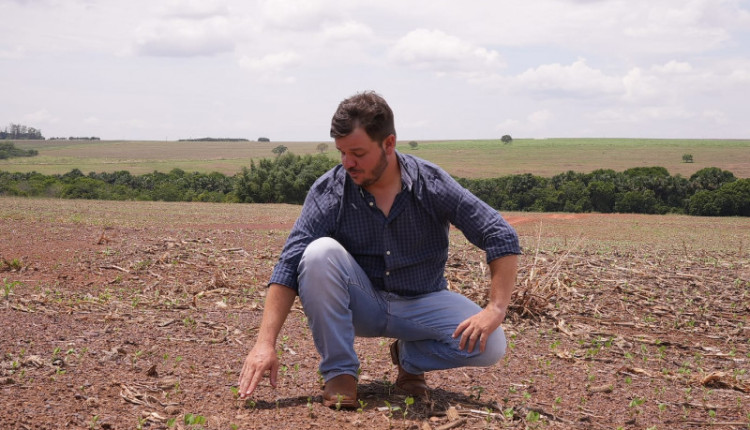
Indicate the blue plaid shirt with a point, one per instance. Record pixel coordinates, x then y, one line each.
405 252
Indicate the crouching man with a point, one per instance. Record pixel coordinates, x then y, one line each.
367 258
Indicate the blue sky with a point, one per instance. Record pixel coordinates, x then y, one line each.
179 69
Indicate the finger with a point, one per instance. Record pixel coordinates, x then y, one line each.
245 382
464 339
482 343
473 341
244 379
274 373
254 381
461 327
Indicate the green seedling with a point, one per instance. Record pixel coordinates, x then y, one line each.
362 405
8 287
339 398
408 402
310 407
191 419
14 264
532 416
479 390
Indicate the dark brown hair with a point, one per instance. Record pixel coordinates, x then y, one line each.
367 110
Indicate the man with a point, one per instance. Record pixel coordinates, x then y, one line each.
367 258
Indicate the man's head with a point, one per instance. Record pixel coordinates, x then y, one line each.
367 110
366 138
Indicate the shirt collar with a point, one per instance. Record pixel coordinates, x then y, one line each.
407 181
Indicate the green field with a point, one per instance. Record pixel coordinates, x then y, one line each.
468 159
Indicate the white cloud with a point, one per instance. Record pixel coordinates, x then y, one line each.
40 118
180 37
195 9
12 53
296 15
640 86
347 31
273 67
673 67
715 115
272 62
574 80
441 52
540 118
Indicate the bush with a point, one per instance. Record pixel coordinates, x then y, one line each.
9 150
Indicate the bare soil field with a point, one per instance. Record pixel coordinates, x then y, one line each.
122 315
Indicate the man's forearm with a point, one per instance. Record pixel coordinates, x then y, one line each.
279 300
503 273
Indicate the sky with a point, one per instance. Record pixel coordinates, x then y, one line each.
474 69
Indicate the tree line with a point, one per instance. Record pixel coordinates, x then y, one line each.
20 132
286 179
649 190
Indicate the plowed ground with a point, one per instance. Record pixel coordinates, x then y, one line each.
138 315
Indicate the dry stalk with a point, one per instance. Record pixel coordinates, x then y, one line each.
542 283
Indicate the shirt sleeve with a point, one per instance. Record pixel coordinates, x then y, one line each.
482 225
317 219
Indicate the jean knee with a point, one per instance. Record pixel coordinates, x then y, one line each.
493 351
317 270
319 250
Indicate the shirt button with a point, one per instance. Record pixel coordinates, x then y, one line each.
387 252
387 273
372 204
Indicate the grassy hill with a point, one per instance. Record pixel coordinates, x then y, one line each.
469 159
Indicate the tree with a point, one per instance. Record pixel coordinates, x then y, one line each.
279 150
506 139
263 139
687 158
322 147
602 196
413 144
636 202
711 178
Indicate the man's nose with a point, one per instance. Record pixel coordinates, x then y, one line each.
347 162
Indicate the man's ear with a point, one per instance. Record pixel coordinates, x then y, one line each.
389 144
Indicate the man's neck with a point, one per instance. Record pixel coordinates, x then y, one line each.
390 181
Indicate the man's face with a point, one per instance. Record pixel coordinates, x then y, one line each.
363 158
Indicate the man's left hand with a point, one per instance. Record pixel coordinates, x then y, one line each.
478 328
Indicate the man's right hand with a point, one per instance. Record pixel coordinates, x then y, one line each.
261 358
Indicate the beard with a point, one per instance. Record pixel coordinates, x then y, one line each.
376 172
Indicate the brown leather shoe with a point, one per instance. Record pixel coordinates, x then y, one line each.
414 385
341 392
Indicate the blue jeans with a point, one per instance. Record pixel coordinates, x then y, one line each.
341 303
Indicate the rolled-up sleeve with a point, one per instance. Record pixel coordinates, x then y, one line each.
482 225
